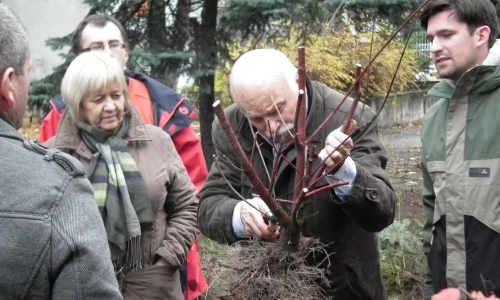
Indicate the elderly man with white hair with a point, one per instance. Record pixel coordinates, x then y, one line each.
264 88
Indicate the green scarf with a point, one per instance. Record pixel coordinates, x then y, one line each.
120 193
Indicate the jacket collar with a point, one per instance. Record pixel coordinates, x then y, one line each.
4 118
68 135
7 129
479 79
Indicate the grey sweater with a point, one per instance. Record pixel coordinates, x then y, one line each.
52 240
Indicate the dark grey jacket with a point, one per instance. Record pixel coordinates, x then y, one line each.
52 240
349 228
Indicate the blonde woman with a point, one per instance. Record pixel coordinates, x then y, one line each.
146 199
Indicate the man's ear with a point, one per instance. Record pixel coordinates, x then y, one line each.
6 95
483 35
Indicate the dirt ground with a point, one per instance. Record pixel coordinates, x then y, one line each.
403 147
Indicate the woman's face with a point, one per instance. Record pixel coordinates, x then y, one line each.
104 109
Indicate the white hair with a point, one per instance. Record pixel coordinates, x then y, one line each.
261 71
89 73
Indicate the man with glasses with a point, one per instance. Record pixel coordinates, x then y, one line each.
113 46
157 104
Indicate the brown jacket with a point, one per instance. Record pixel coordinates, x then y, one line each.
172 194
349 228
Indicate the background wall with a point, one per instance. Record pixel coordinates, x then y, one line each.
45 19
404 108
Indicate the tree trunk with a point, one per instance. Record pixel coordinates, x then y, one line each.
156 35
206 54
172 40
290 237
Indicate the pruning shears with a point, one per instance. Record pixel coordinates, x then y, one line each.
271 221
269 218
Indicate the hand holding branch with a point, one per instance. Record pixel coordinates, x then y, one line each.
338 145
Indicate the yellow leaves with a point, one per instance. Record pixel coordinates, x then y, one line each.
332 59
221 86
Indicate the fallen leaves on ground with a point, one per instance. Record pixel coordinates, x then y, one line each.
30 131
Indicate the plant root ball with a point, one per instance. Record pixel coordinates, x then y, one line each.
266 271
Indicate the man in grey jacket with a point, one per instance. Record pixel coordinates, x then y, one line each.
52 240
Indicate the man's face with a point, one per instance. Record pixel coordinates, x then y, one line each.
272 115
20 91
453 48
107 36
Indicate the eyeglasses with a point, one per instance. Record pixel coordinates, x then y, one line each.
100 47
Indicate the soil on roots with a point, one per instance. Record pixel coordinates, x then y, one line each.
266 271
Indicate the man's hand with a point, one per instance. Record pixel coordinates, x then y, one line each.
455 294
333 140
253 220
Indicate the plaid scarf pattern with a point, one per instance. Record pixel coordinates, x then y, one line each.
119 192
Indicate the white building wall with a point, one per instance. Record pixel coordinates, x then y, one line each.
45 19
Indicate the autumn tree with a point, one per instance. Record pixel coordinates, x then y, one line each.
332 59
334 56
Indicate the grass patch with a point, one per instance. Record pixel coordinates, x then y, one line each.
402 260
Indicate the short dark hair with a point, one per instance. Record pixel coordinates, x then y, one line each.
474 13
14 49
98 21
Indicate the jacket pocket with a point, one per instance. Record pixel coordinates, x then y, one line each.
482 192
437 173
153 282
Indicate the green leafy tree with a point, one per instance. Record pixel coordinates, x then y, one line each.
165 42
363 13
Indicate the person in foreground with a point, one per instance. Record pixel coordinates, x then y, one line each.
263 85
157 105
52 242
146 199
460 153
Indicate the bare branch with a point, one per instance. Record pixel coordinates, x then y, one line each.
325 188
216 160
300 141
396 32
231 163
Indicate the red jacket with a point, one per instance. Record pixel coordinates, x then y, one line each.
155 101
